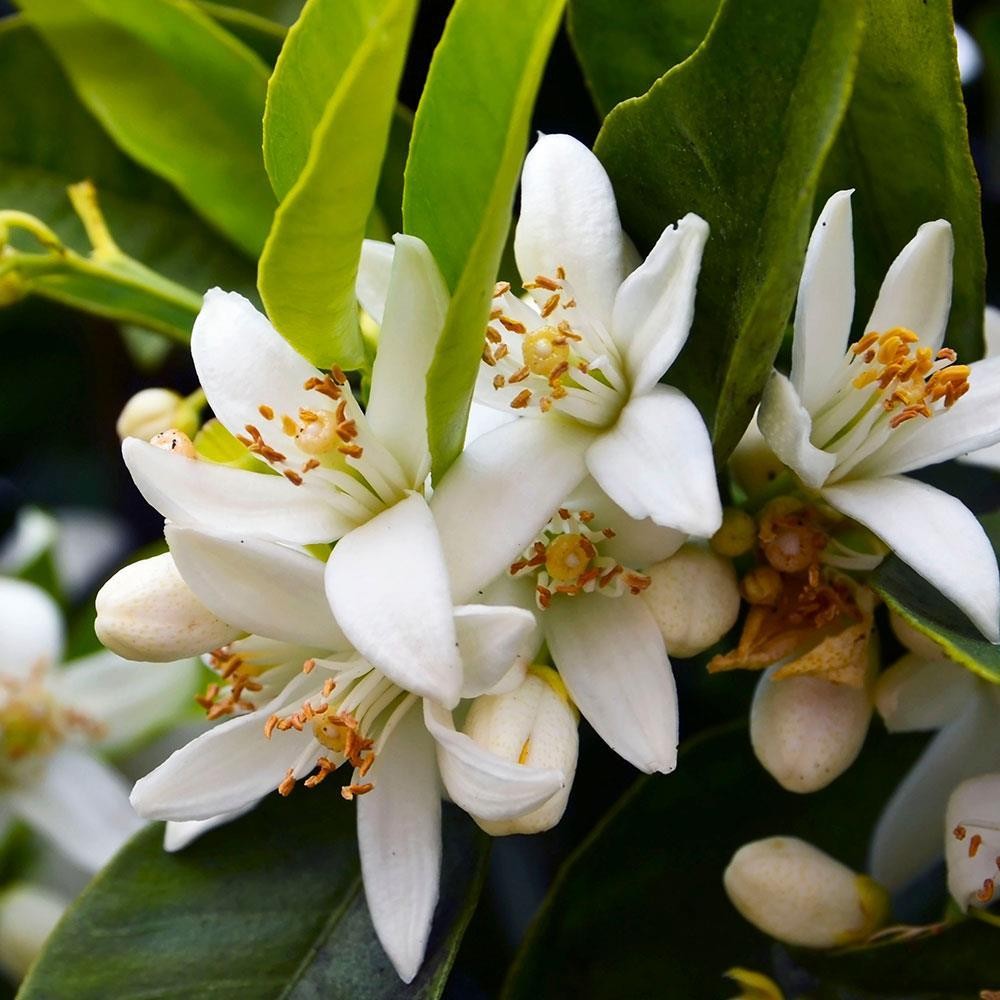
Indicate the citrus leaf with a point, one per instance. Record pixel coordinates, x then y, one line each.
263 36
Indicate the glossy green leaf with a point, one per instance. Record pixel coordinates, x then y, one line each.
270 906
904 148
641 901
469 138
625 46
263 36
191 109
309 265
738 133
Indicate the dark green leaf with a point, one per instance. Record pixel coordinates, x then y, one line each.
738 133
191 109
269 906
469 138
263 36
904 147
625 46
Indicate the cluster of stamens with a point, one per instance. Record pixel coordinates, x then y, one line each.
986 893
219 700
566 561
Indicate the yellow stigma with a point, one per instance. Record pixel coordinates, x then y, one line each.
318 434
567 557
545 350
331 734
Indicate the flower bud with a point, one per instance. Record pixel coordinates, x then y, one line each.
146 612
762 585
914 640
694 598
737 534
536 724
753 465
972 841
27 915
153 411
806 730
798 894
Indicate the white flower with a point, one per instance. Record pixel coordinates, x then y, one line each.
988 457
972 841
581 365
50 715
332 706
28 913
850 424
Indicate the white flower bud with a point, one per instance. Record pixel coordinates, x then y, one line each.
799 895
536 724
805 730
152 411
753 465
972 841
146 612
694 598
914 640
27 915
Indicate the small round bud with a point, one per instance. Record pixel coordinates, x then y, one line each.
146 612
737 535
535 724
798 894
753 465
915 640
176 442
762 585
806 731
28 913
152 411
972 841
694 598
918 695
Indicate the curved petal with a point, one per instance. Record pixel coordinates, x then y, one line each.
500 493
261 587
987 458
388 587
81 805
374 269
492 640
916 694
916 293
31 629
935 534
610 653
655 304
786 425
244 363
199 493
569 219
991 331
414 317
657 462
484 785
179 833
399 839
825 304
483 419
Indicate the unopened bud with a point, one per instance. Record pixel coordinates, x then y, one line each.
762 585
737 535
972 841
798 894
806 731
153 411
694 598
753 465
27 915
146 612
914 640
536 724
918 695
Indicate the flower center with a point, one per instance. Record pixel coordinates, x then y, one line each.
546 352
565 560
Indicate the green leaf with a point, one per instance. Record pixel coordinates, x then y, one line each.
625 46
340 107
469 138
192 105
738 133
263 36
640 904
904 148
269 906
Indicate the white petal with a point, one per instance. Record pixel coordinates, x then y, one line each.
936 535
388 587
987 458
916 694
31 629
825 304
484 785
243 363
916 293
179 833
610 653
399 838
483 419
500 493
909 835
657 462
373 277
492 640
991 331
786 426
260 587
81 805
203 494
414 317
128 699
655 304
569 219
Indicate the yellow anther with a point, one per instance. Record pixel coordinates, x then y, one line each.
568 556
545 350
